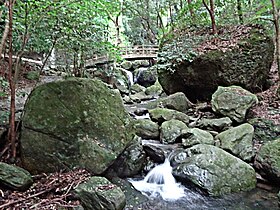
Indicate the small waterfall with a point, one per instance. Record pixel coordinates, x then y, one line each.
129 76
160 181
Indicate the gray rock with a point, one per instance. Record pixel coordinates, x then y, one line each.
131 161
14 177
238 141
170 130
177 101
136 88
140 63
155 152
140 96
194 136
268 160
265 130
185 65
147 129
155 90
233 102
98 193
133 196
64 129
215 124
126 65
213 169
162 114
146 76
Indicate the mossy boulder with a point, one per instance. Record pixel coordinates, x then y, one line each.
126 65
131 161
265 130
98 193
74 123
14 177
218 124
195 136
268 160
155 90
163 114
147 129
177 101
146 76
213 169
238 141
233 102
196 62
170 130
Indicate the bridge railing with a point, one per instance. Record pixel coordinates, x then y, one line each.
139 50
129 52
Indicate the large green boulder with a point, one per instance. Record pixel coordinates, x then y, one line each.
268 160
196 62
14 177
233 102
74 123
98 193
238 141
170 131
213 170
147 129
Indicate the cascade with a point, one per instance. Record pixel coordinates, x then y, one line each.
129 76
160 181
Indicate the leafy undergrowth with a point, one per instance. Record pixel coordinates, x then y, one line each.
269 103
52 191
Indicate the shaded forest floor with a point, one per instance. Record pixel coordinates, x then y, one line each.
54 191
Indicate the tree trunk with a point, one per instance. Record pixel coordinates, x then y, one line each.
12 129
211 12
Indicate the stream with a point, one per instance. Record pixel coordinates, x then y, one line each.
165 193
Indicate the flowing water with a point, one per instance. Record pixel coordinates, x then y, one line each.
166 194
160 182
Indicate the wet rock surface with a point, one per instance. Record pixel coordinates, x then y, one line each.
98 193
14 177
214 170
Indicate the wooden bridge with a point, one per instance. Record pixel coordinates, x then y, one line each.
137 52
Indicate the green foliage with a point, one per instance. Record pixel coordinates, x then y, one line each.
75 26
4 85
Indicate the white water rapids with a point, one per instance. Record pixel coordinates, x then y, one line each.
160 181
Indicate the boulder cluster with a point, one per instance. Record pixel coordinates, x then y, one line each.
149 113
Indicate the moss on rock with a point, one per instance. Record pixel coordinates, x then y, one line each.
74 123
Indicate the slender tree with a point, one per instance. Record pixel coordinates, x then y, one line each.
12 128
211 11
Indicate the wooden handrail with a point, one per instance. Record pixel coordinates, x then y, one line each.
130 52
